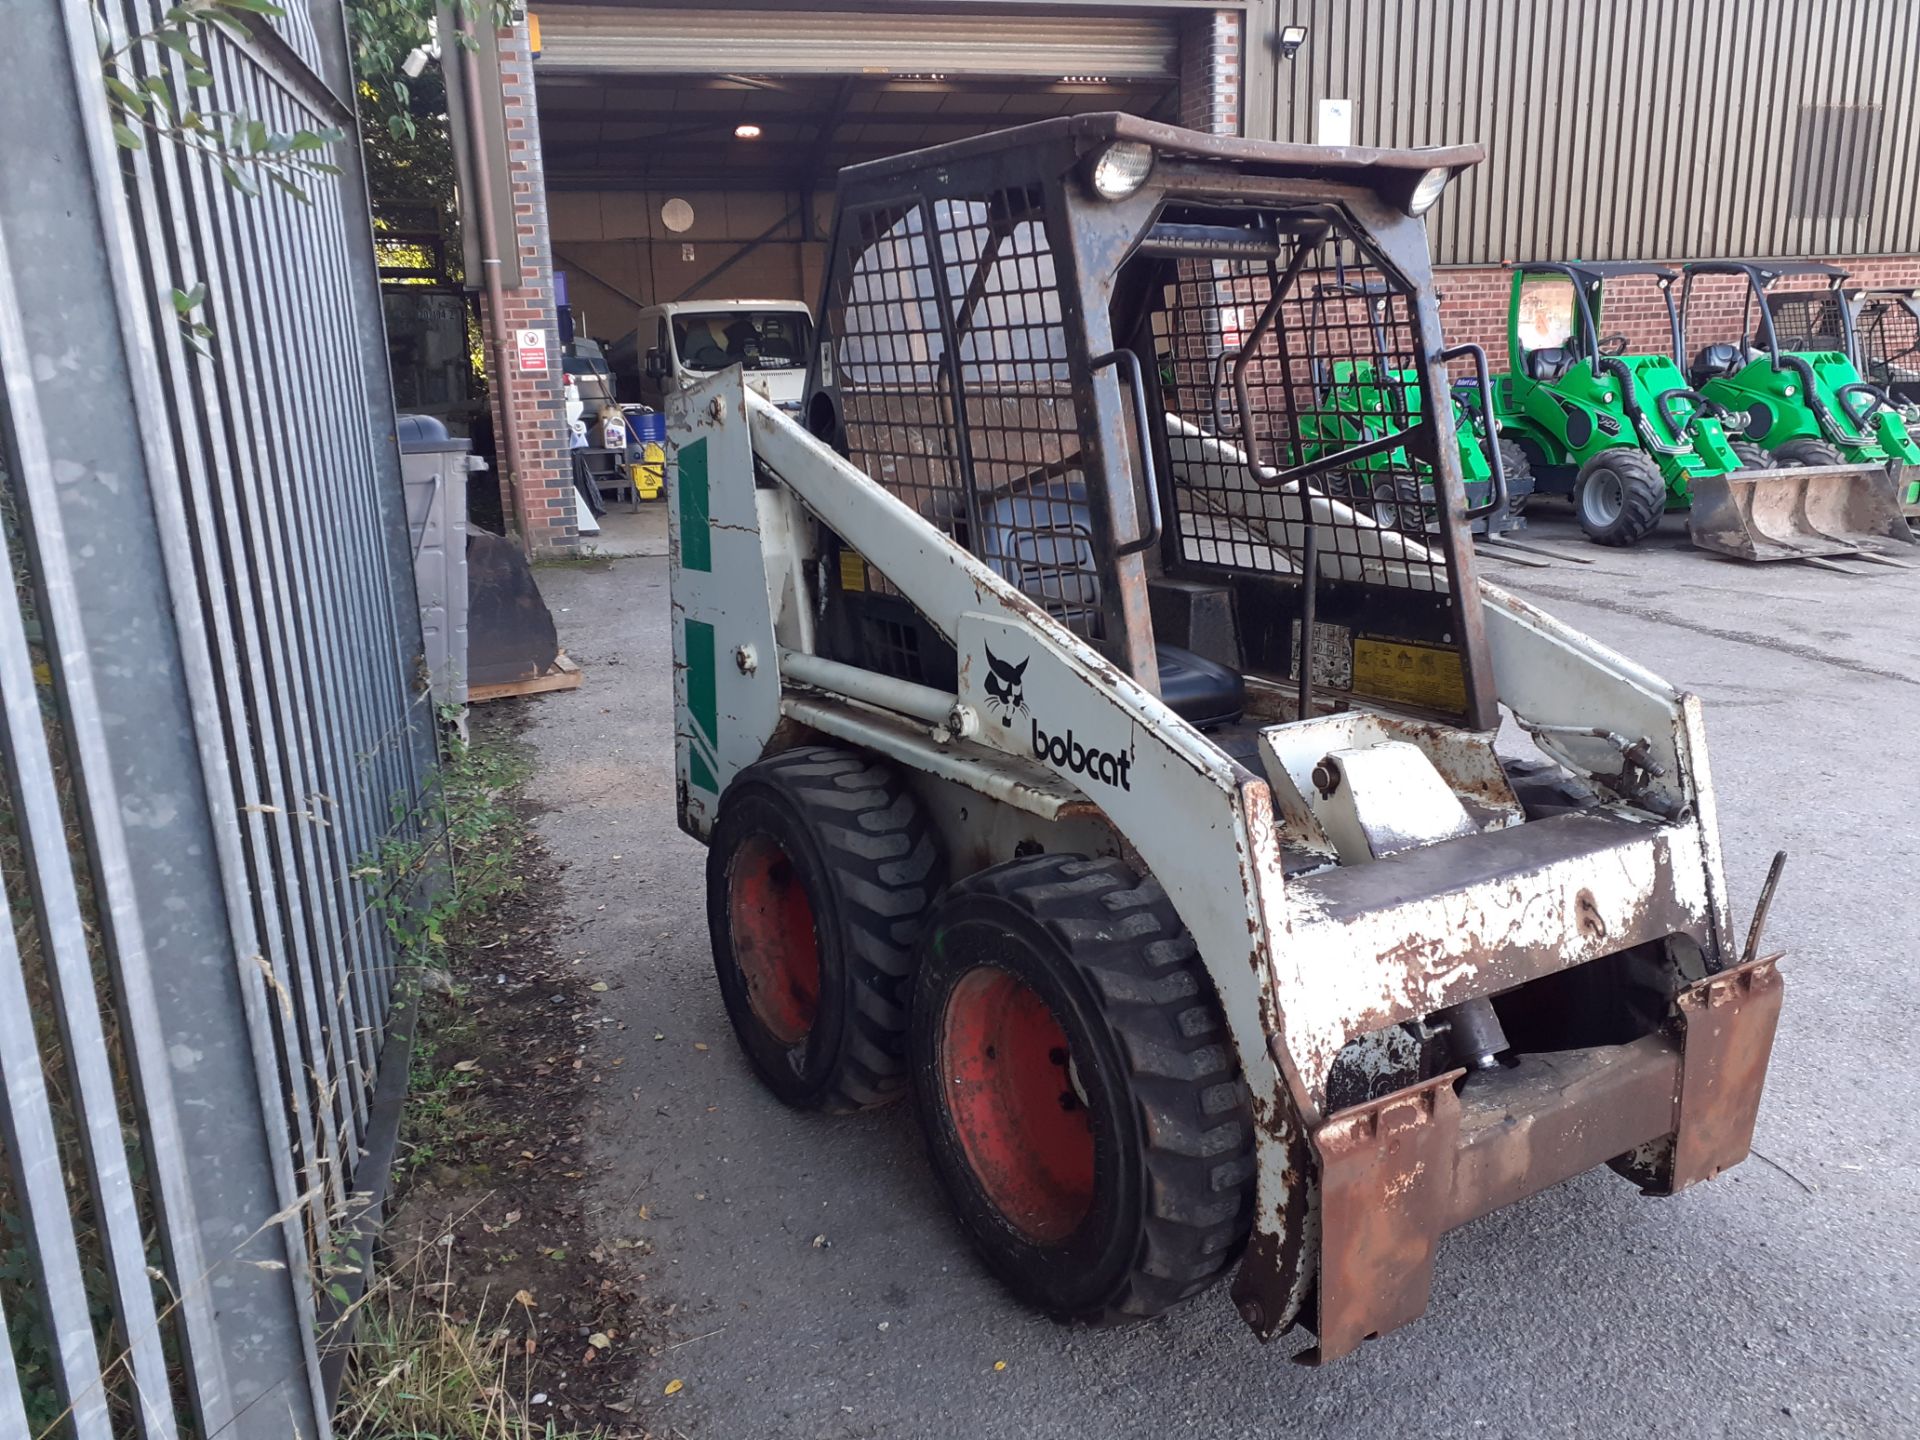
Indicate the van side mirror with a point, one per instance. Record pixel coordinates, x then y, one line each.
656 363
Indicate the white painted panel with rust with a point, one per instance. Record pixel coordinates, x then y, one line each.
1341 977
730 595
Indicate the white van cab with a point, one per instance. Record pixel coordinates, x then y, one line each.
690 339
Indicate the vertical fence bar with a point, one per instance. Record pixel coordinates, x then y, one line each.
62 932
26 1127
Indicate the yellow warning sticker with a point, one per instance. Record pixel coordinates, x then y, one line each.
853 571
1409 674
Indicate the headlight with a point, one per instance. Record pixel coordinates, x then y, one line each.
1428 191
1121 169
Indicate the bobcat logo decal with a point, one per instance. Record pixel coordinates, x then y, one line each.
1005 687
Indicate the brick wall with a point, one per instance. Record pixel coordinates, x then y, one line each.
546 481
1210 73
1473 305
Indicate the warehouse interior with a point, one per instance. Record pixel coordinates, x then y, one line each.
690 155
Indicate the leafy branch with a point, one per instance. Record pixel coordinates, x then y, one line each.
145 100
386 33
242 146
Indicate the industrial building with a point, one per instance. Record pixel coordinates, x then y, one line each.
665 152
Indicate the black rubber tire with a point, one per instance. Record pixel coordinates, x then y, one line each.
1172 1185
1643 497
1806 450
1519 471
1753 456
1393 503
868 864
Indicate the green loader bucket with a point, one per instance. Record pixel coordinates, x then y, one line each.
1799 512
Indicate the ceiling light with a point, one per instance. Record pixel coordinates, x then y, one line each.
746 132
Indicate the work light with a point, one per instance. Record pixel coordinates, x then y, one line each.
1428 191
1121 169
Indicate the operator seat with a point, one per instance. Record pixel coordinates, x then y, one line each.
1714 360
1548 364
1040 538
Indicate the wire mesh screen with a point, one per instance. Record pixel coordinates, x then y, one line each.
890 364
1889 334
949 352
1333 364
1807 321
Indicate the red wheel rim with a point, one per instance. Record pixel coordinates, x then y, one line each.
771 923
1022 1122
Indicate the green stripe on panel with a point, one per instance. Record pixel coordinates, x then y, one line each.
696 535
703 703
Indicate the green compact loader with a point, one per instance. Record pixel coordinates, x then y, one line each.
1810 408
1622 434
1361 401
1886 351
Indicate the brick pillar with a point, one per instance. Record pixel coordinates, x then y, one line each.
1210 103
1210 73
546 479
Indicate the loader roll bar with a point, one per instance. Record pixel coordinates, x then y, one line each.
1015 352
1760 276
1590 275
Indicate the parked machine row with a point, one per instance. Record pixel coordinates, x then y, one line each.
1768 435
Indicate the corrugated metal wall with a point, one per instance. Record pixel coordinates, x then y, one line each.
1625 129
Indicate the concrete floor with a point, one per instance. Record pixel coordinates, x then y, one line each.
1783 1300
628 533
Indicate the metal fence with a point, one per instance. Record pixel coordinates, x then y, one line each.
212 717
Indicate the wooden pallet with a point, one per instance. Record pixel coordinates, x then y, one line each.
565 675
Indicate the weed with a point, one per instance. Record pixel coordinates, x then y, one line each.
418 1371
465 859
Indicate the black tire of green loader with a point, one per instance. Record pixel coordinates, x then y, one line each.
1626 516
1519 475
1082 1103
821 871
1752 456
1808 451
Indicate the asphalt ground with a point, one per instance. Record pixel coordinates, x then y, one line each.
818 1288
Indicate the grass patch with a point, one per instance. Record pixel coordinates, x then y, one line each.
436 890
420 1366
422 1371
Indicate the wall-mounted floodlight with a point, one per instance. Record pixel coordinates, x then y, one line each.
1291 39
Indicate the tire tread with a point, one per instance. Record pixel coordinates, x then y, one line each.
1195 1116
1643 497
885 870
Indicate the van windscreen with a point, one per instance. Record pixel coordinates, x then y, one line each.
757 339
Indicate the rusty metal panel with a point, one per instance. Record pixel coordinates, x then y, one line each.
1385 1171
1729 1021
1623 129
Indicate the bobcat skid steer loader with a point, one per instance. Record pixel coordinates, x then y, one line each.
1068 755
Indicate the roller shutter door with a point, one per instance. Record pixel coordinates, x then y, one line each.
595 40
